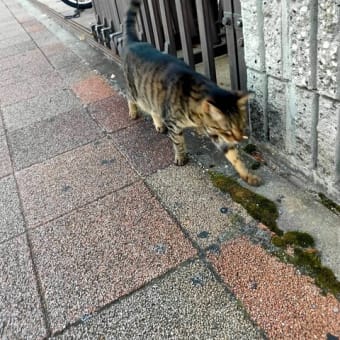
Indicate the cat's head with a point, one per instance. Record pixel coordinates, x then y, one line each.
225 117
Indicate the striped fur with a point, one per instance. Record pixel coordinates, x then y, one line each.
178 98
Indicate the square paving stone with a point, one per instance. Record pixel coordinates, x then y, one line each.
105 250
286 304
20 309
17 49
5 161
64 59
53 48
27 57
112 113
33 110
21 73
36 86
147 150
187 304
92 89
11 221
33 26
51 137
71 180
209 216
18 39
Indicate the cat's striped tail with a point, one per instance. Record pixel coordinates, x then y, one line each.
130 32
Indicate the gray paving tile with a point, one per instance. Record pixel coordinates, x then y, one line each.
11 221
18 39
187 304
73 179
75 73
35 86
64 59
28 112
5 162
107 249
188 193
51 137
17 49
23 59
146 149
21 73
21 316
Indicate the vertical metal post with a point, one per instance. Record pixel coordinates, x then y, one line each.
206 37
169 44
182 10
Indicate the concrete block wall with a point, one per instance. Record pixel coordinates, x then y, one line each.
292 53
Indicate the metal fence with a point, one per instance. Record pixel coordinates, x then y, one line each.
195 30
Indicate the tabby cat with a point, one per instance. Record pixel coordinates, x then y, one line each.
177 98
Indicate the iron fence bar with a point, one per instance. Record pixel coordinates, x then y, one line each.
169 43
156 23
206 37
145 15
182 10
228 21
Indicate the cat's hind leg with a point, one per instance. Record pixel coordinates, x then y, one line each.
133 110
234 158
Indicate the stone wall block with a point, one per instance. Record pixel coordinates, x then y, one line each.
257 83
328 48
327 139
252 18
272 36
276 112
302 31
305 127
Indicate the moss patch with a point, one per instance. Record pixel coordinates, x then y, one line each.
305 257
311 263
257 206
294 238
250 148
332 206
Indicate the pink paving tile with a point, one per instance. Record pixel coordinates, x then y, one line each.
111 113
147 150
33 26
103 251
286 304
68 181
92 89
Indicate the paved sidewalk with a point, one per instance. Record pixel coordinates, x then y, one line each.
101 237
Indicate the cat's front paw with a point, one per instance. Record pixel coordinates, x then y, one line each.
182 160
161 129
253 180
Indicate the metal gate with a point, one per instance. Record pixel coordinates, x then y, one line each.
197 31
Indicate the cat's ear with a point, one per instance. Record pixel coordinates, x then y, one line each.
210 107
243 98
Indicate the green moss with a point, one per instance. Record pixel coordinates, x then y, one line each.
329 203
255 165
294 238
265 211
323 276
250 148
257 206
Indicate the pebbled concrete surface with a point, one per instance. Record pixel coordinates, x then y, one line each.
21 315
189 303
125 235
102 237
